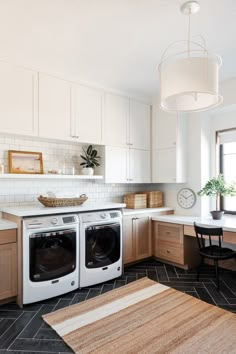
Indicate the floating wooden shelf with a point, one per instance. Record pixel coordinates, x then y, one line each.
47 176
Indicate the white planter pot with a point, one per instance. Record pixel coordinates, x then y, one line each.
89 171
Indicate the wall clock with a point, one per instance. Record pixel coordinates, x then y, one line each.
186 198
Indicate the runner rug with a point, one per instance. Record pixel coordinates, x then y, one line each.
145 317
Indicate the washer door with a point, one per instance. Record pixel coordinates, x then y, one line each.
52 254
102 245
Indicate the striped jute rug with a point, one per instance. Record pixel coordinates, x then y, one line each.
145 317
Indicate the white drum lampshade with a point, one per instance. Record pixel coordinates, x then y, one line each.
189 84
189 78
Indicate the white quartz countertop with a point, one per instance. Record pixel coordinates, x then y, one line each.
146 210
41 210
228 222
7 225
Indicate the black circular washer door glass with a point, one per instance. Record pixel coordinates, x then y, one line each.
103 247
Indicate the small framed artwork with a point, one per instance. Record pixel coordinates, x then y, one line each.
25 162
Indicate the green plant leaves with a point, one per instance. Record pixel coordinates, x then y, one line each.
90 157
217 186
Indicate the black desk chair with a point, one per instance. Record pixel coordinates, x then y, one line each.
212 251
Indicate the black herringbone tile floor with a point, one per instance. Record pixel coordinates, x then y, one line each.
22 331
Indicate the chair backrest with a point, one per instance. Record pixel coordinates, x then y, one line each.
208 233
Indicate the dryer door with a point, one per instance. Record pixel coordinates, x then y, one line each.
102 245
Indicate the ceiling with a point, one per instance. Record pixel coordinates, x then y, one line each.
113 43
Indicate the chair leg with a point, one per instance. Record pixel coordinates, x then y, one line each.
199 268
217 275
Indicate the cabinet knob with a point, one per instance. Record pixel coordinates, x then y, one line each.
168 251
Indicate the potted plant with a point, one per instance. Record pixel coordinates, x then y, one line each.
90 158
217 187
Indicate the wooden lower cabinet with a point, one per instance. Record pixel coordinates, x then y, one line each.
172 246
8 264
137 242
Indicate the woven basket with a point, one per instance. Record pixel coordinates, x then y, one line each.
62 202
154 199
135 201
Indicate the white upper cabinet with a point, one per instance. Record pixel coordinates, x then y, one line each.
126 165
168 147
139 166
54 108
87 114
164 129
140 121
164 166
116 164
127 122
18 100
116 120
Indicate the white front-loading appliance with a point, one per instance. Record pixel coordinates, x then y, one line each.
100 247
50 256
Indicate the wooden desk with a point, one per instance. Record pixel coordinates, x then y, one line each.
228 236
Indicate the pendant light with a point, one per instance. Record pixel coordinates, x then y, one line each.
189 78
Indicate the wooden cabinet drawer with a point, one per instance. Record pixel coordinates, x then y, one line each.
7 236
170 233
170 253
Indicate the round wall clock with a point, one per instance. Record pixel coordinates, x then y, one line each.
186 198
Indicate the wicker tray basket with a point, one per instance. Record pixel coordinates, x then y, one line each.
135 201
62 202
154 199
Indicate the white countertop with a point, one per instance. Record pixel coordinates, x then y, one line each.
41 210
7 225
146 210
228 222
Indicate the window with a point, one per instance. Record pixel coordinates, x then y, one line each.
227 154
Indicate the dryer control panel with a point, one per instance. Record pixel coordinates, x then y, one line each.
106 215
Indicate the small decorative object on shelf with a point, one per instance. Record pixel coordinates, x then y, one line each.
25 162
62 202
90 158
217 187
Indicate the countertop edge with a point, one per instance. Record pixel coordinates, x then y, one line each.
146 210
40 210
225 223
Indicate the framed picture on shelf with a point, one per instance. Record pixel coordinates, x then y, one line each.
25 162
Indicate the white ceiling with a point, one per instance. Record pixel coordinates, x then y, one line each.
114 43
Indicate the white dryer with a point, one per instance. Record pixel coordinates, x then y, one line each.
100 247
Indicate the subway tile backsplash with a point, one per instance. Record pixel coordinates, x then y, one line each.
62 156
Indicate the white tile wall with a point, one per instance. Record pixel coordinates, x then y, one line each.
56 155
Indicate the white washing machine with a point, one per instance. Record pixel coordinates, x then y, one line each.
100 246
50 256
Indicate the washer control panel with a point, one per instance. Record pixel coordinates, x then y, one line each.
107 215
50 221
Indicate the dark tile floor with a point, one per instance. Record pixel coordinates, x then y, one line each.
23 330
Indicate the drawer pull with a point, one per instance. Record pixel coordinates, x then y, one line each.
167 251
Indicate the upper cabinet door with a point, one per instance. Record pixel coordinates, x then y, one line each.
164 166
116 120
139 166
54 108
140 125
164 127
87 114
116 164
18 100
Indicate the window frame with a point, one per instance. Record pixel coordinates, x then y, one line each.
220 148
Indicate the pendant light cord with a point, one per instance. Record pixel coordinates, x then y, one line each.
189 29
